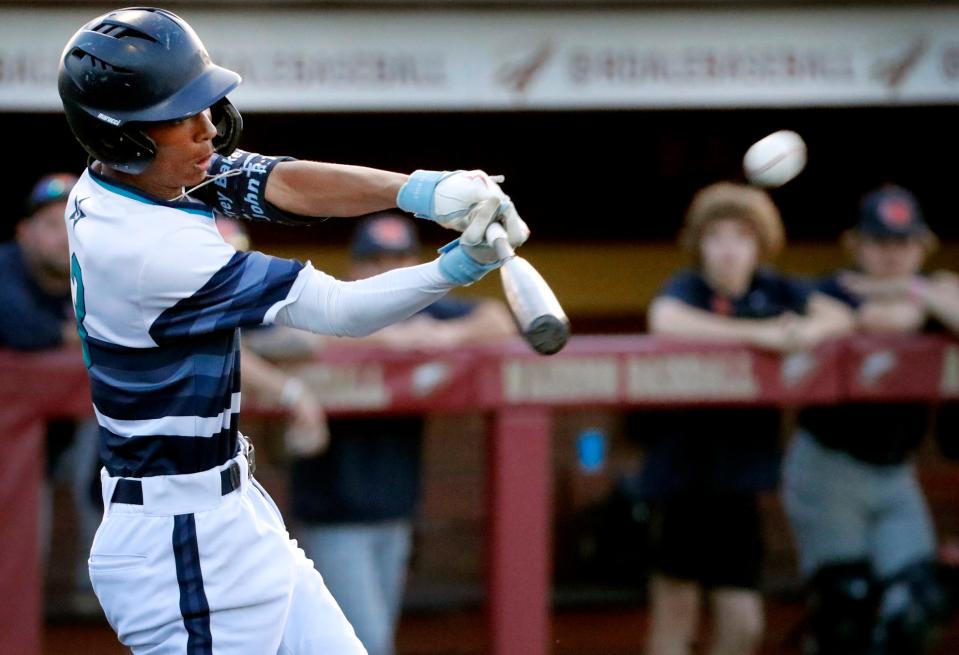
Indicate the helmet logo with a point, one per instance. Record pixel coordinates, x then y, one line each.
109 119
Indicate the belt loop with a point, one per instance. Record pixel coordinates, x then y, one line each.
246 447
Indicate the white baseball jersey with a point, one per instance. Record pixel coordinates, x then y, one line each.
159 296
192 556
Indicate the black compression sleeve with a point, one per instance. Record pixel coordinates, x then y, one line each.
243 195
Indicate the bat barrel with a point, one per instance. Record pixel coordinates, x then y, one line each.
547 334
539 316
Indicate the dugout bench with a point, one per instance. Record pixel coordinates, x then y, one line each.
519 391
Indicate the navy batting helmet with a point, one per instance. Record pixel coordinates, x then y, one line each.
135 66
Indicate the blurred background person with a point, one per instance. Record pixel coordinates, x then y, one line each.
36 313
705 468
864 533
355 503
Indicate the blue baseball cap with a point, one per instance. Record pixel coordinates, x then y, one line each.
891 212
49 189
384 233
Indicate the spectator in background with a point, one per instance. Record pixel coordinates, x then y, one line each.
354 504
865 538
36 313
35 306
705 468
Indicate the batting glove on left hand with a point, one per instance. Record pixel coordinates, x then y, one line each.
472 256
473 240
447 198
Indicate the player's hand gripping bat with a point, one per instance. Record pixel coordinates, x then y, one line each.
537 313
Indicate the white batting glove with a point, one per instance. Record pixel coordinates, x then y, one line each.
447 198
473 240
472 256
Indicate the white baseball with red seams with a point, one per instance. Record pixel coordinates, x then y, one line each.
776 159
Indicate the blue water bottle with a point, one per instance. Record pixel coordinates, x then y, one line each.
591 450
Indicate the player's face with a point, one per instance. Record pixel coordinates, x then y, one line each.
184 150
729 252
890 258
43 238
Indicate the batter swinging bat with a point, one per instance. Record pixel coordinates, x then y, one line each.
540 318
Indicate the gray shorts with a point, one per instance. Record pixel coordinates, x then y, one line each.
844 510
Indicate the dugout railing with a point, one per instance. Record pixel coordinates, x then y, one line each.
519 391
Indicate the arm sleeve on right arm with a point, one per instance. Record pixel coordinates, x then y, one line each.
355 309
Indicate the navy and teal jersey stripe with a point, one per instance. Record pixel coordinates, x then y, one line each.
193 372
237 295
146 456
180 379
194 379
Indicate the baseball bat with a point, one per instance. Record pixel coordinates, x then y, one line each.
539 316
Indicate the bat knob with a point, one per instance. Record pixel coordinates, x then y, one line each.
547 334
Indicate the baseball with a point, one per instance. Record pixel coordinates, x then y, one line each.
776 159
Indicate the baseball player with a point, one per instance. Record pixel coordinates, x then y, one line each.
192 555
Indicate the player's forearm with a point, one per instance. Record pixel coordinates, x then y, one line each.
359 308
312 188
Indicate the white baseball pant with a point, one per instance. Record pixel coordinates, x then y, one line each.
189 564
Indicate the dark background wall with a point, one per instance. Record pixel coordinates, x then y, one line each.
589 176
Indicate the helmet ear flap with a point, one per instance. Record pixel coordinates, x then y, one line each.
144 150
125 148
229 126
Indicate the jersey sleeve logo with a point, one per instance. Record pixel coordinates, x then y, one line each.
78 212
